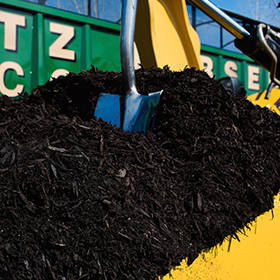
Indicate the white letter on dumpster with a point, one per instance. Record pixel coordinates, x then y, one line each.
231 69
57 47
11 21
253 77
58 72
4 67
207 64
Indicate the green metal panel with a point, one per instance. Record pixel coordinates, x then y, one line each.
224 63
38 57
104 46
51 42
86 48
15 51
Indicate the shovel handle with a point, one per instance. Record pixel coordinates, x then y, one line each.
127 43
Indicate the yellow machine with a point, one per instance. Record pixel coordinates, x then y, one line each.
164 36
272 101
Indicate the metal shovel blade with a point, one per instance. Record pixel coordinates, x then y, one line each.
109 108
131 112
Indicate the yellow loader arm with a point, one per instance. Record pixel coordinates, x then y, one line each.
164 35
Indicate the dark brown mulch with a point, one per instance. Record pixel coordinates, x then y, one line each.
80 199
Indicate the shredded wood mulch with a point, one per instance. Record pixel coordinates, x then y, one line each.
80 199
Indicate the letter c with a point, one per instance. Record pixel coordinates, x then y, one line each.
4 67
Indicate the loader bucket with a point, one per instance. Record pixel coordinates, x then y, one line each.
271 102
254 254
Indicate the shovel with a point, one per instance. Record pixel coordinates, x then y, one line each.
132 112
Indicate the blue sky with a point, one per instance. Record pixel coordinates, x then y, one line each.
261 10
231 6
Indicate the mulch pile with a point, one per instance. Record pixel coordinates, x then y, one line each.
80 199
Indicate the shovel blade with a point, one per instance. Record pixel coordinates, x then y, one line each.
109 106
137 118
